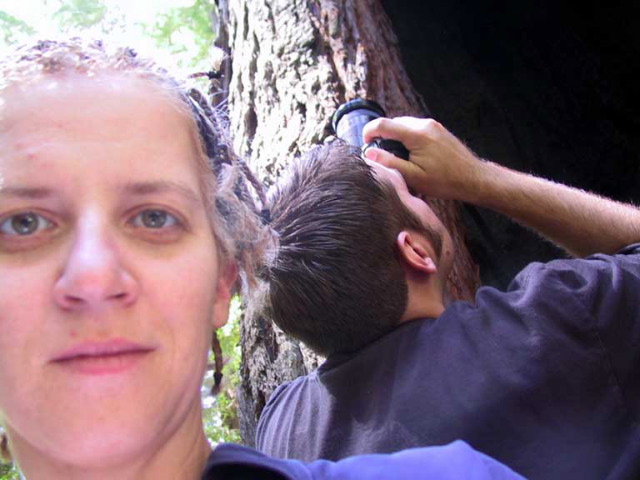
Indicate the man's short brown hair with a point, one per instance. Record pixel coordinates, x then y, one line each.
335 281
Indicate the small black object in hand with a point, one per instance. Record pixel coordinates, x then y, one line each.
349 120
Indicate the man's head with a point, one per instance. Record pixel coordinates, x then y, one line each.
349 238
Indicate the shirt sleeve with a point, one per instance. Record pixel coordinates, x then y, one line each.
605 290
455 461
615 304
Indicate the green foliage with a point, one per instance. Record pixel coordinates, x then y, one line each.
185 32
80 14
13 28
186 29
8 472
220 414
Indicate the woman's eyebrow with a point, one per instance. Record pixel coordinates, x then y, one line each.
137 188
26 192
149 188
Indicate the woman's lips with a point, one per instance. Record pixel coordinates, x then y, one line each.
102 358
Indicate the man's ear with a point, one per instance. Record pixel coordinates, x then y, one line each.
414 250
224 291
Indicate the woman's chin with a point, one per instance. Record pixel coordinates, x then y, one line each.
103 445
97 452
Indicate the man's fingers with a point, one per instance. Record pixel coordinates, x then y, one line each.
383 157
411 131
385 128
407 169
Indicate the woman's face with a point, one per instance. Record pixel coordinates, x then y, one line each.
110 284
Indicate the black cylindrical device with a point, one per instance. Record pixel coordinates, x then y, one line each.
351 117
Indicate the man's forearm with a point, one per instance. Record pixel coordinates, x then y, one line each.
441 166
582 223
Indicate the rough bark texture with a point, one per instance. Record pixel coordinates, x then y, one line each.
292 62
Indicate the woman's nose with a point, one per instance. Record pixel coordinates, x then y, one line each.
93 275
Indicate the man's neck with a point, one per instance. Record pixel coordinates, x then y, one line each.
424 300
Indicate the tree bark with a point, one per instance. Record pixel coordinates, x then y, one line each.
292 63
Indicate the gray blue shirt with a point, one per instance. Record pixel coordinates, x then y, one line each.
544 377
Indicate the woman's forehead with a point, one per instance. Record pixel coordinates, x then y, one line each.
73 84
113 121
62 99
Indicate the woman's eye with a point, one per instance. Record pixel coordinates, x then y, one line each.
154 219
24 224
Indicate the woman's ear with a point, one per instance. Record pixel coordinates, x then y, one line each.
224 291
415 251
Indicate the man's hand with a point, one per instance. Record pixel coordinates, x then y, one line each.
439 164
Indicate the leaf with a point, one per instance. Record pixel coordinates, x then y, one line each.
81 13
12 29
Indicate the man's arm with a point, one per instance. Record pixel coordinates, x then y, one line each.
441 166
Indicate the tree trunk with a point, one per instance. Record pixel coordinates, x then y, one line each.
292 62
